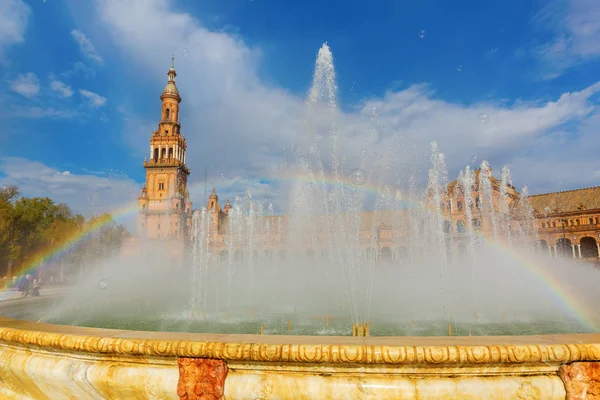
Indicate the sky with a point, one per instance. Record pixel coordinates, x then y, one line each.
515 82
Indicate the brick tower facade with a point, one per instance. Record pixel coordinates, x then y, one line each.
165 208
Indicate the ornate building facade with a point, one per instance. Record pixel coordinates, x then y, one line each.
565 223
568 223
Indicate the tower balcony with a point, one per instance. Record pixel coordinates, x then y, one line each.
165 162
170 122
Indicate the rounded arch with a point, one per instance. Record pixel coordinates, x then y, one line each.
224 256
386 254
563 247
542 246
447 227
460 226
589 247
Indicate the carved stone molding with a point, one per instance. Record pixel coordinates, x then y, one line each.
582 380
452 351
201 379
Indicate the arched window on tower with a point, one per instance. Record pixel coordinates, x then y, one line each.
164 153
155 155
170 153
167 113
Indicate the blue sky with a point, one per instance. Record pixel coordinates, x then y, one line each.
80 85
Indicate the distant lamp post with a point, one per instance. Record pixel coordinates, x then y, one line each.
563 244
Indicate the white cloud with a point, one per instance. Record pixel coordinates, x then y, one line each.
14 15
27 85
241 126
576 28
95 99
40 112
86 194
61 88
80 69
86 46
563 160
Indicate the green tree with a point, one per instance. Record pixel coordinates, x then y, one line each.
31 228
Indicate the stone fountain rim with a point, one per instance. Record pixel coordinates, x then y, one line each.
393 350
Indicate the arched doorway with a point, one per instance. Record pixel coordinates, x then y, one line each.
541 247
386 254
589 247
563 247
224 256
447 227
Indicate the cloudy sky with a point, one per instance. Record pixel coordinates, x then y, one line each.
80 83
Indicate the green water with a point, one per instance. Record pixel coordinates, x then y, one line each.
308 324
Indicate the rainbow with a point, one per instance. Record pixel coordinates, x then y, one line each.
327 179
562 294
57 252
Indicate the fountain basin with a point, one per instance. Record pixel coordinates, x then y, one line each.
45 361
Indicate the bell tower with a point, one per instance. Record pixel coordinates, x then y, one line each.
164 207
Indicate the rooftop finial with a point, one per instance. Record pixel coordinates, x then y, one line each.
173 61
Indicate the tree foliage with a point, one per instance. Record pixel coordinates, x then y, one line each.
33 230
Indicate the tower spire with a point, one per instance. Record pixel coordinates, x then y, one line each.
173 61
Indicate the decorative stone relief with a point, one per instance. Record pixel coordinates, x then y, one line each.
201 379
582 380
527 391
